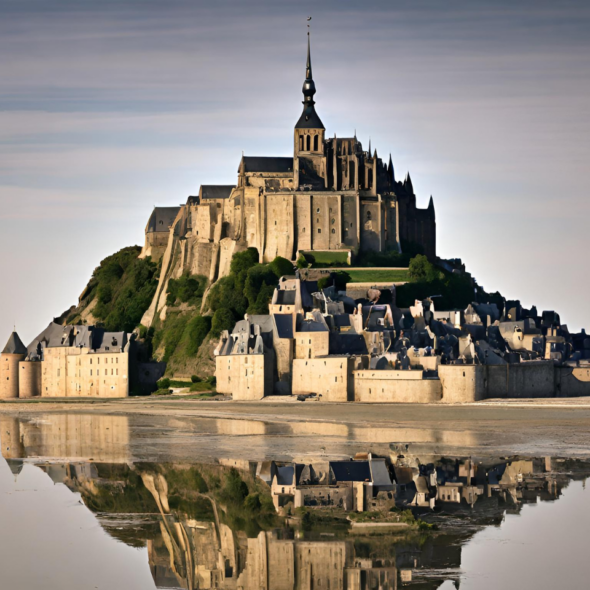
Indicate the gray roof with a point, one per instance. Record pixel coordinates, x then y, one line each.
96 339
351 470
284 322
267 164
162 218
216 191
14 345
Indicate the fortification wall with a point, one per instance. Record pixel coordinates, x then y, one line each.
280 225
350 221
303 221
370 223
462 383
395 387
521 380
572 382
245 376
29 381
328 377
9 375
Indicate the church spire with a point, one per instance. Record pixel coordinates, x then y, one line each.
309 118
390 170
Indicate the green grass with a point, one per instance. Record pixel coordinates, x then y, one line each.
378 276
328 257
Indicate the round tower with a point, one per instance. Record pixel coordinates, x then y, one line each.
29 379
14 352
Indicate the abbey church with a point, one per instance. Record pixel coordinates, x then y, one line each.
331 195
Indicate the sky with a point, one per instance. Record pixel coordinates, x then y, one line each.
109 108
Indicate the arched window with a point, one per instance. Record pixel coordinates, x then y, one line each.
308 142
316 143
301 142
333 231
370 179
368 216
317 210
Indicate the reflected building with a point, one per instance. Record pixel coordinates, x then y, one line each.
90 437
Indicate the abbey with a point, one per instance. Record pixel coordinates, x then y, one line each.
331 195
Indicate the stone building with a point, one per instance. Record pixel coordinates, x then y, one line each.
68 361
325 345
330 194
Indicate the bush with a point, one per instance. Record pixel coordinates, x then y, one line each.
187 289
195 379
212 380
421 270
223 319
163 383
197 328
200 387
302 262
124 287
281 266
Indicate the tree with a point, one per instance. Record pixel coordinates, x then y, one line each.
421 270
223 319
281 266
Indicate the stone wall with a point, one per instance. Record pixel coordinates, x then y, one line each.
29 379
9 375
462 383
309 345
572 382
395 387
73 372
245 376
328 377
520 380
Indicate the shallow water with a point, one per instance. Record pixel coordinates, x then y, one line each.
78 510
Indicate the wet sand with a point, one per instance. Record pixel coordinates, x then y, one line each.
182 429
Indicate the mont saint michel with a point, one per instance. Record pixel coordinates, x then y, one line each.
346 350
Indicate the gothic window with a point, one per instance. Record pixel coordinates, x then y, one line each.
301 142
368 216
308 142
370 179
315 143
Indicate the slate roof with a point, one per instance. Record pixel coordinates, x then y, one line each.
309 119
351 470
267 164
307 290
347 343
286 297
216 191
284 323
162 218
285 474
14 345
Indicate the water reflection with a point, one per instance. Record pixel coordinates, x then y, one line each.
368 523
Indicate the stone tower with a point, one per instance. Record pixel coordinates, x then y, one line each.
14 352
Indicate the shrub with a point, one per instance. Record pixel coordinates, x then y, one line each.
302 262
187 289
163 383
195 379
223 319
325 282
212 380
281 266
198 328
421 270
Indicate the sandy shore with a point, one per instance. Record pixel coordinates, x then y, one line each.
179 429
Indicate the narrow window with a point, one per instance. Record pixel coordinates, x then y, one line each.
117 372
316 143
333 231
308 143
301 142
317 210
319 230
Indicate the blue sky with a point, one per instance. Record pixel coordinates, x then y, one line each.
108 108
